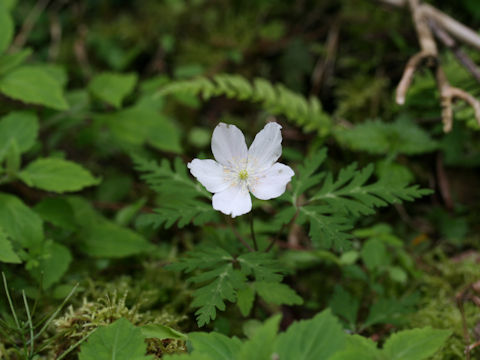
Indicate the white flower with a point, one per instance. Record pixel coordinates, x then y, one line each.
237 170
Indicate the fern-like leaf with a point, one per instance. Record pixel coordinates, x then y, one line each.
330 205
184 199
276 99
222 276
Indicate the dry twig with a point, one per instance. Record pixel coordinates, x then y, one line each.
426 19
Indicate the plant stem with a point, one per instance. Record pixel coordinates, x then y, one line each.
30 324
252 232
10 302
238 236
75 345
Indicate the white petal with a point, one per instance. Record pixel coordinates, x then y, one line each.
228 145
266 147
234 201
272 182
209 173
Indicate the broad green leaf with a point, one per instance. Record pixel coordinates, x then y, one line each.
57 211
317 338
161 332
139 125
11 61
214 345
33 85
10 4
359 347
6 28
277 293
7 254
415 344
245 298
19 222
54 262
112 88
18 126
260 346
57 175
118 341
374 254
112 241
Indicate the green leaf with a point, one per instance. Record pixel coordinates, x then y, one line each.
33 85
245 298
359 347
118 341
20 127
161 332
317 338
19 222
112 87
7 254
213 295
260 346
139 125
6 28
374 254
389 311
376 137
262 266
56 211
11 61
214 345
344 305
416 344
57 175
277 293
183 199
53 264
112 241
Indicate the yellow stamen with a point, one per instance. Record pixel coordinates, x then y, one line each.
243 175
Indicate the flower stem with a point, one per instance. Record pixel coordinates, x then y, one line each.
238 236
252 232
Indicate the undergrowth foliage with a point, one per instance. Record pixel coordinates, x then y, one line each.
276 99
111 249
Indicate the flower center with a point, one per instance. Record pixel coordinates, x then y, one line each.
243 175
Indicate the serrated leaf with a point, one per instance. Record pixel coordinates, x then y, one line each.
260 346
19 222
245 298
161 332
359 347
277 293
33 85
415 344
109 240
57 175
216 346
118 341
213 295
262 266
7 254
6 28
20 127
112 87
317 338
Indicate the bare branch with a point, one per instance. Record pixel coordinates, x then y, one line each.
412 65
457 29
449 93
450 43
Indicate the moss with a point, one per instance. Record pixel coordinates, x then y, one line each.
444 279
